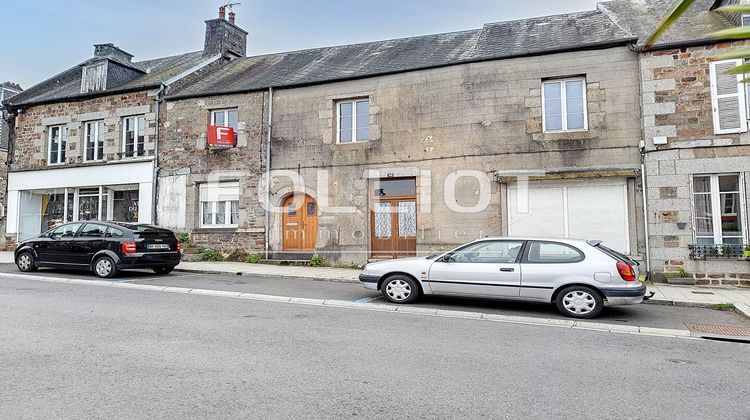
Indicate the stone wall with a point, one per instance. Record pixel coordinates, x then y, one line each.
677 104
185 163
30 152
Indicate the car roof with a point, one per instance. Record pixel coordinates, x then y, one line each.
539 238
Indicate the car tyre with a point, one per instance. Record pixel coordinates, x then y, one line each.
104 267
400 289
579 302
163 270
26 262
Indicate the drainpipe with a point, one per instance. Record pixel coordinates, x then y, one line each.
645 210
268 171
154 195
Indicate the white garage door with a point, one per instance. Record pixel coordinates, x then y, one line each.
592 209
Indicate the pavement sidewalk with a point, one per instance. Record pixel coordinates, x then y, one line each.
701 296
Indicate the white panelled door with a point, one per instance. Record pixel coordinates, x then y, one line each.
592 209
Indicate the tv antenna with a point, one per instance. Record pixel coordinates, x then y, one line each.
231 5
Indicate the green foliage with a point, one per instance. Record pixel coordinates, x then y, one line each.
669 21
317 261
208 254
183 238
682 273
238 255
723 306
747 251
253 258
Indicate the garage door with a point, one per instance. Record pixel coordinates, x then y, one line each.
593 209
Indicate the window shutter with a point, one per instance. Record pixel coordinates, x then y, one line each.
727 98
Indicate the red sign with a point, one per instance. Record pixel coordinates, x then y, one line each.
220 138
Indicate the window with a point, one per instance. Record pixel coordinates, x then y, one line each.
94 133
56 145
564 105
727 98
134 136
552 252
745 20
394 187
725 225
114 233
489 252
65 231
220 204
353 121
225 118
93 230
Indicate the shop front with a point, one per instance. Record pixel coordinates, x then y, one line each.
41 200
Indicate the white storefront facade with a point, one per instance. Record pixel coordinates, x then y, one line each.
42 199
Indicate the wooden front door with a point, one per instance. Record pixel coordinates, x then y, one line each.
300 223
393 218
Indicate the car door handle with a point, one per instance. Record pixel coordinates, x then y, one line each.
507 270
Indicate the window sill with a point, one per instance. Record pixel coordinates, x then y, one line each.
582 130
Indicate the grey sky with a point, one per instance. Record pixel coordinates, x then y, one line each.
44 37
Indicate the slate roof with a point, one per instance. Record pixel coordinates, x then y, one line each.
67 85
641 17
535 36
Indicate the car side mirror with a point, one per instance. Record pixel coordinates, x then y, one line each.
447 257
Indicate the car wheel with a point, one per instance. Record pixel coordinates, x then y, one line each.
26 262
579 302
163 270
400 289
105 267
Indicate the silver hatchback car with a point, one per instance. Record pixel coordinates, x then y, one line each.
579 277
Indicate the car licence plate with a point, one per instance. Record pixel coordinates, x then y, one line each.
157 246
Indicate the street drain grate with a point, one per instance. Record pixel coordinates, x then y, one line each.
702 292
720 329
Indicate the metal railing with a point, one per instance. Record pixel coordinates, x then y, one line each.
703 252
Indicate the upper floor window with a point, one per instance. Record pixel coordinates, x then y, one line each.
220 204
225 118
56 144
718 212
94 136
564 105
353 121
134 136
745 20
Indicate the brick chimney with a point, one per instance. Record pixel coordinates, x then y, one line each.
109 50
224 37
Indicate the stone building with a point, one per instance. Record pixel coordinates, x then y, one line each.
7 90
412 145
85 142
697 145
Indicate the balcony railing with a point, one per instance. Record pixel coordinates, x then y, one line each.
703 252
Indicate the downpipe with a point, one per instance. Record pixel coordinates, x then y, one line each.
154 193
645 210
268 173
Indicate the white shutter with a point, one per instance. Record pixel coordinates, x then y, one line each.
727 98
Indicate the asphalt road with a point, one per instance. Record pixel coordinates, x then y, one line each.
656 316
75 351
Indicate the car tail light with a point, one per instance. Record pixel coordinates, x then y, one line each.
626 271
128 248
178 247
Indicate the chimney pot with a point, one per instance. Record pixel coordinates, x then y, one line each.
222 10
231 17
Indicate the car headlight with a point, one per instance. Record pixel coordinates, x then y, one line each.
367 266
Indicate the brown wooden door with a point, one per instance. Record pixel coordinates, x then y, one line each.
300 223
393 219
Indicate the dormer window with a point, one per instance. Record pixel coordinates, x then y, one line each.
94 77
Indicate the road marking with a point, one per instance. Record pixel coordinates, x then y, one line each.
367 300
368 305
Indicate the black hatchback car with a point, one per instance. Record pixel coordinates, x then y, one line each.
102 247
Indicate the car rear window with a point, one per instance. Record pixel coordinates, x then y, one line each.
616 255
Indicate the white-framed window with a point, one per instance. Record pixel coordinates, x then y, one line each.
745 20
225 118
134 136
353 121
220 204
93 133
727 98
718 211
56 141
564 105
